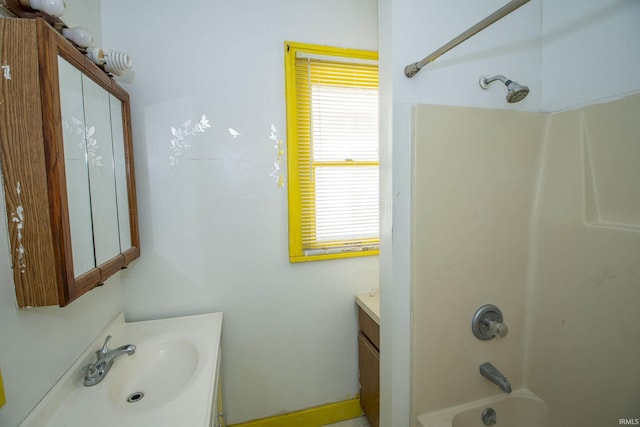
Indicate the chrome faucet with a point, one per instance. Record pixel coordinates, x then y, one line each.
490 372
95 372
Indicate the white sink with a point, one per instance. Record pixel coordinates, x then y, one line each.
157 373
169 381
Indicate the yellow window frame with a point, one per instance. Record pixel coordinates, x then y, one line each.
294 142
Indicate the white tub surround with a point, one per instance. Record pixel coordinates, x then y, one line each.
521 408
176 365
370 303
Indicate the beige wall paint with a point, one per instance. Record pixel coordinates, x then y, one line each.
584 311
474 183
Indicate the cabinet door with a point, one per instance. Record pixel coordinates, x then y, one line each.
369 361
104 208
76 167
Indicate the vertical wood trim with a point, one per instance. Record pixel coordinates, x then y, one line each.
23 160
131 177
54 152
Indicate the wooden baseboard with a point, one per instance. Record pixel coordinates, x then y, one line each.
312 417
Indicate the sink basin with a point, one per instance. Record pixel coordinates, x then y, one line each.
171 380
153 376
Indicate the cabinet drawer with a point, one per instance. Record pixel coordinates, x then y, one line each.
369 328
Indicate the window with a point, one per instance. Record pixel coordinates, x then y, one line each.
332 135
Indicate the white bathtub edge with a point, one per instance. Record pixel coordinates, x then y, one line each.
444 417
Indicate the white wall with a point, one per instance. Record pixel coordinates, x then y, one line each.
214 226
589 51
394 259
39 345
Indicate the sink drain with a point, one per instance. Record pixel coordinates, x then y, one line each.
135 397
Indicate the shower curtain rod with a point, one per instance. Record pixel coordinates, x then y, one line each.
412 69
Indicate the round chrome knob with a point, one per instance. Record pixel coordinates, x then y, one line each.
488 323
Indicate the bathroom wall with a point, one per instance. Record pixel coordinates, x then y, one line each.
589 52
473 192
39 345
213 218
583 347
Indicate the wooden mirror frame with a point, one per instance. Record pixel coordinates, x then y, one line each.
36 286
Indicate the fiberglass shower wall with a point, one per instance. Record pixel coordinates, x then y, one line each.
583 311
538 214
475 172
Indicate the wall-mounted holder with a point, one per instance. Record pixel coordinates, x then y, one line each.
488 323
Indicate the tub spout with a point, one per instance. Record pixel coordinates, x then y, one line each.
490 372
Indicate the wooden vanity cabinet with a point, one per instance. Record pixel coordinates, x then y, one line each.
369 366
39 187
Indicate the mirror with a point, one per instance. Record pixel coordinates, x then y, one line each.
76 167
96 170
104 209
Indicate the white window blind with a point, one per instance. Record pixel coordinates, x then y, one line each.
336 189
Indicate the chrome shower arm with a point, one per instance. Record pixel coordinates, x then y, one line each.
515 91
412 69
484 81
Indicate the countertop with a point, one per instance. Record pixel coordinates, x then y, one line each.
197 338
370 303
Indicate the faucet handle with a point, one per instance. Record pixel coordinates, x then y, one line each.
498 329
488 323
104 350
89 372
88 369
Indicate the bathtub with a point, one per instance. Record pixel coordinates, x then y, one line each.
520 408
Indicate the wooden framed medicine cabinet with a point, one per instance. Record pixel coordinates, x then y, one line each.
67 166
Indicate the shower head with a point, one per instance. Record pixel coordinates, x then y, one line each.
515 91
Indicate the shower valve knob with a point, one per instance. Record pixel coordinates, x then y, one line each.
487 323
498 329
